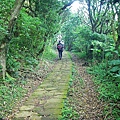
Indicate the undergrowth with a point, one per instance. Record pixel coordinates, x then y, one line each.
11 89
10 92
49 54
81 55
68 113
107 77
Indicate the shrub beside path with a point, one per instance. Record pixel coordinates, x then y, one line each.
46 102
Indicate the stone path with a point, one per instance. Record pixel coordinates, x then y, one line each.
46 102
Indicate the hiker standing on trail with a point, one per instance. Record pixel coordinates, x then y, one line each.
60 47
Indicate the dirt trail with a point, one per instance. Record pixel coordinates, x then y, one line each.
46 102
83 95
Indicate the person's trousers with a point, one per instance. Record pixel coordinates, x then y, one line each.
60 54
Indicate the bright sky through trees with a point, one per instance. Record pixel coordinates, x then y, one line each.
75 6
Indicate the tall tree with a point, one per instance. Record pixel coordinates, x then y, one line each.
117 8
4 45
97 14
104 18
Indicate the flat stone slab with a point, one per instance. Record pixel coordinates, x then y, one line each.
36 117
23 114
25 108
51 112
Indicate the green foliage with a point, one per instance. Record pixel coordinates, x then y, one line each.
93 44
68 31
13 64
113 72
10 92
30 33
31 61
68 112
107 76
3 32
81 55
111 53
13 59
49 54
6 7
26 43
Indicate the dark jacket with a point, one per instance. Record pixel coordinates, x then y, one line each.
60 46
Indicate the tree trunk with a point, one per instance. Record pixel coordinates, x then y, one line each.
4 47
3 59
118 31
112 24
16 10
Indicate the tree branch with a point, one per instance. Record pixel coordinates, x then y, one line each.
14 15
65 6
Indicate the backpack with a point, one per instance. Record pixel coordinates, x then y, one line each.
59 46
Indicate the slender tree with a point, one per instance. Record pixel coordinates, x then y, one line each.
117 8
4 45
97 15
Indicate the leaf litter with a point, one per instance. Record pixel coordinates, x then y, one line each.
83 96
